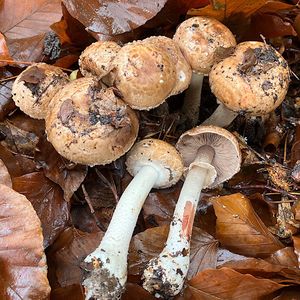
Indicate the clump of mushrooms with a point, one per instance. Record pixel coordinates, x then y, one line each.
153 163
89 124
35 87
211 156
253 80
203 42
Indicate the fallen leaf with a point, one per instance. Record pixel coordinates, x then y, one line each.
284 257
47 199
74 292
229 284
291 293
4 52
149 243
4 175
23 266
296 240
191 293
237 221
69 251
224 256
136 292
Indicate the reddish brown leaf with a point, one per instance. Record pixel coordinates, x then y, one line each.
284 257
74 292
22 260
68 252
296 240
296 208
4 52
149 243
289 294
47 199
4 175
136 292
229 284
237 221
191 293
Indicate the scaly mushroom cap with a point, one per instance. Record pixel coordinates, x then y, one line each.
89 124
227 155
253 80
203 41
183 69
144 75
161 156
35 87
96 59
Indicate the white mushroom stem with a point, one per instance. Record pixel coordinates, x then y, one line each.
221 117
165 275
109 275
192 99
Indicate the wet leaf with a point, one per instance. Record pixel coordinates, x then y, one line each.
237 221
47 199
22 260
4 175
229 284
296 240
4 52
68 252
149 244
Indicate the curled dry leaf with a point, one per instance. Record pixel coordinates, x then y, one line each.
226 283
22 260
296 240
149 244
4 52
68 252
4 175
237 221
47 199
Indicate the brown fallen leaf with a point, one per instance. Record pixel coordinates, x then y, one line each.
291 293
284 257
4 175
23 266
240 229
74 292
47 199
296 240
149 243
136 292
4 52
226 283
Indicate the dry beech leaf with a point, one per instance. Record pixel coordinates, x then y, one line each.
191 293
4 175
147 244
22 260
136 292
240 229
74 292
112 17
226 283
68 252
284 257
291 293
47 199
296 240
4 52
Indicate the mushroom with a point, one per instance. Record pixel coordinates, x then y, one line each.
144 74
96 59
203 41
211 155
153 163
253 80
89 124
183 69
35 87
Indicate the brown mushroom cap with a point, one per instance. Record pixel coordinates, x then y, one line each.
227 156
183 69
254 79
158 154
202 41
35 87
89 124
96 59
144 75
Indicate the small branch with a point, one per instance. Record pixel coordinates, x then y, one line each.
8 78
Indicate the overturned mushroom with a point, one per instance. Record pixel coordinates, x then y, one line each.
35 87
203 42
89 124
153 163
212 156
144 74
253 80
96 59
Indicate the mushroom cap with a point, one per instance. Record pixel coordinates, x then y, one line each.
161 156
96 59
183 69
203 41
35 87
89 124
227 156
253 80
144 75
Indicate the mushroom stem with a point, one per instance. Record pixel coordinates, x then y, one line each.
107 279
192 99
165 275
221 117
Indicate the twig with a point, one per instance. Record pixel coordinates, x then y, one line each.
88 201
8 78
264 187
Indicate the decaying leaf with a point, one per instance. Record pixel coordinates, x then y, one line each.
47 199
4 175
240 229
22 260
